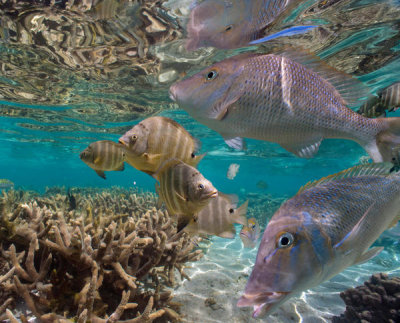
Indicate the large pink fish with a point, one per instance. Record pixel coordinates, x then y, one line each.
275 98
328 226
230 24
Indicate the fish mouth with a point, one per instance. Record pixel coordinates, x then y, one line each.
211 195
262 303
120 141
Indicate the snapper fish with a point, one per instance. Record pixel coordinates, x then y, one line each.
233 24
157 139
278 99
183 189
328 226
218 217
104 155
250 233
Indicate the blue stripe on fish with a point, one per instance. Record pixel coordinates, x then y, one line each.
296 30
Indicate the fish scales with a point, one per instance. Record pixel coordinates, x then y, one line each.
328 226
274 98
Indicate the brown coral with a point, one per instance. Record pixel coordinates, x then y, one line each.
109 259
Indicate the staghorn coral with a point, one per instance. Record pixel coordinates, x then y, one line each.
378 300
108 259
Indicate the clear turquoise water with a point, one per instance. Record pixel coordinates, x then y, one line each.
40 148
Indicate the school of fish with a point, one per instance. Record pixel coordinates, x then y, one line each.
293 99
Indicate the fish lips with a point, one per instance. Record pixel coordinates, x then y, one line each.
262 302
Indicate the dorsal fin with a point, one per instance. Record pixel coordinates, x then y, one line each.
232 198
349 88
373 169
166 165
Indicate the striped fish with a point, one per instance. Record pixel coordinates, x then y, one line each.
157 139
104 155
386 99
183 189
250 233
218 216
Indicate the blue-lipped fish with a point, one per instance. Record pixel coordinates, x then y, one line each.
157 139
183 189
104 155
218 217
233 24
278 99
328 226
250 233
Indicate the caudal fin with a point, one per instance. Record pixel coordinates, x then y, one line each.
386 147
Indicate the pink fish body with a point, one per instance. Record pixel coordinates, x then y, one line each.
328 226
275 98
230 24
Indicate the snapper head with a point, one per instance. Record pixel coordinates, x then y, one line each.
203 94
218 23
290 259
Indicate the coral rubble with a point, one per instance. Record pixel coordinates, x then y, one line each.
106 256
378 300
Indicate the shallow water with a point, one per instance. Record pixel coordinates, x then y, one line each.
74 72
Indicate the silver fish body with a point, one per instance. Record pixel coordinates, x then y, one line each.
274 98
218 217
325 228
230 24
183 189
157 139
104 155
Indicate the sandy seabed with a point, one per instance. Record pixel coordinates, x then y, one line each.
218 280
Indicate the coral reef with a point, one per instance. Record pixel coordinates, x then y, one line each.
103 256
378 300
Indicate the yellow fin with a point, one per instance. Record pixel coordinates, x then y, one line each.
97 160
153 159
197 159
373 169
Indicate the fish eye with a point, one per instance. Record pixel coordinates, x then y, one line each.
211 75
285 240
201 187
231 210
193 155
228 28
133 138
253 226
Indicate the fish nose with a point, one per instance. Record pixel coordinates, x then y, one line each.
122 142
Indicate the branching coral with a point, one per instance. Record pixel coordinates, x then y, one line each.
109 259
378 300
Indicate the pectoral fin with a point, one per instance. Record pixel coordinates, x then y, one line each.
303 149
153 159
369 254
235 143
101 174
351 238
121 168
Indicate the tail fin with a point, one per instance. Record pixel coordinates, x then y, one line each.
387 144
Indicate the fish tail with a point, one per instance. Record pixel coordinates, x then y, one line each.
241 213
386 145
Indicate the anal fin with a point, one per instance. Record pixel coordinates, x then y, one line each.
369 254
303 149
100 173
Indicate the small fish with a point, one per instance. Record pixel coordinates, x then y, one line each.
292 99
231 24
6 184
386 99
218 216
328 226
157 139
103 156
183 189
262 185
232 171
250 233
